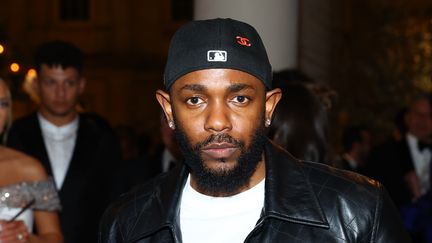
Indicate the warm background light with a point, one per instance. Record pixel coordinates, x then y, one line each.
28 86
31 73
14 67
1 49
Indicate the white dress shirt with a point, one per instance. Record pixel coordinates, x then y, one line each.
421 162
59 143
351 161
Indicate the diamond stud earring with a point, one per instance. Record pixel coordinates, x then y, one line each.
171 124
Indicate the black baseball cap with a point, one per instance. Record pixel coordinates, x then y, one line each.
217 43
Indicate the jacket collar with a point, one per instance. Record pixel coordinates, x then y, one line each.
164 210
288 196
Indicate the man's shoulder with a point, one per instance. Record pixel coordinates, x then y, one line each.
95 127
336 198
137 197
130 207
320 171
342 183
95 121
25 122
321 174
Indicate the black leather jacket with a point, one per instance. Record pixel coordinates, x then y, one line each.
304 202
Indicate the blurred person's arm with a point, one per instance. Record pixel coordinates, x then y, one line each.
48 228
413 184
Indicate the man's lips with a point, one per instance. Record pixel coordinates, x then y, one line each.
219 150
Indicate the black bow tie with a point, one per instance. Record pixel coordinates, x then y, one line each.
423 145
172 164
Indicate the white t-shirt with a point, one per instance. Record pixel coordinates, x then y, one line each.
219 219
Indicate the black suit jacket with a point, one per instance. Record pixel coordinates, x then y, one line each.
139 170
86 189
389 163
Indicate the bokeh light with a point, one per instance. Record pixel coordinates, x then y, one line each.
15 67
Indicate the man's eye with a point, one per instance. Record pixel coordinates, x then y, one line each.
49 82
4 103
70 82
241 99
194 101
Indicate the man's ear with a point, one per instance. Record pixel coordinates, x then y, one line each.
82 84
35 86
272 99
164 100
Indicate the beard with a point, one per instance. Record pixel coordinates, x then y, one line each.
224 181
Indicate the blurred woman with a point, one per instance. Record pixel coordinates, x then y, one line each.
300 122
24 184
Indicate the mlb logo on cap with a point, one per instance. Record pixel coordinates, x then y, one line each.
204 44
216 56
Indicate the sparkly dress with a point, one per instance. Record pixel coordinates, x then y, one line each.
15 196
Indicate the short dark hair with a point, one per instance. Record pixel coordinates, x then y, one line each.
60 53
420 97
353 134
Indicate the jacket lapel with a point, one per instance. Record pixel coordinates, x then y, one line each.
37 143
78 164
165 210
289 194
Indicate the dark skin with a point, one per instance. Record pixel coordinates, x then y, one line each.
220 101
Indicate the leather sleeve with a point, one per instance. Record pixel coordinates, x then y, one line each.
109 231
388 225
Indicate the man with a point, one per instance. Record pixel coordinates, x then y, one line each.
356 141
74 148
235 185
415 149
403 166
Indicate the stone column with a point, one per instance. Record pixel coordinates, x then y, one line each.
275 20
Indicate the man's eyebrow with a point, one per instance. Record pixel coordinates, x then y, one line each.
193 87
237 87
232 88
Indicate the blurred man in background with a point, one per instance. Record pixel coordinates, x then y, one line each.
75 150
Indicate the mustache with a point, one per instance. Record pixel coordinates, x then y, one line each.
219 138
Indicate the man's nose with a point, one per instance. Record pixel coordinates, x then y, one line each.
60 90
218 117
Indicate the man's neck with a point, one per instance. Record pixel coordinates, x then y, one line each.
58 120
258 176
